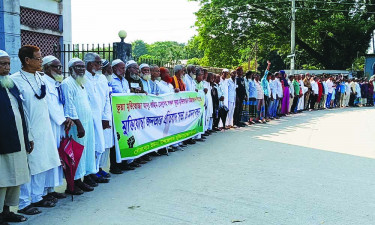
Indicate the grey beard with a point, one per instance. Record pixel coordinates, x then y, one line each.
6 82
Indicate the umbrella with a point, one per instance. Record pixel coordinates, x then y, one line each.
70 153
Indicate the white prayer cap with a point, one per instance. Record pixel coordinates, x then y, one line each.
129 63
48 59
3 53
73 60
116 61
225 70
143 65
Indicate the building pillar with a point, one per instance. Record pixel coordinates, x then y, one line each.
10 32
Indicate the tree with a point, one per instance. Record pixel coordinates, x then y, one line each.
329 33
193 49
139 48
167 50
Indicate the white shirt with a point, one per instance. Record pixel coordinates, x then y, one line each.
165 87
231 90
108 133
358 90
325 88
98 93
77 106
224 87
45 155
190 83
291 88
315 87
55 108
330 86
208 95
347 89
279 88
260 92
273 88
304 89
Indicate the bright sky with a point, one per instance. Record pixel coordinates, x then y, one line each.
98 21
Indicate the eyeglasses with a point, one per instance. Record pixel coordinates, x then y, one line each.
57 67
79 67
98 62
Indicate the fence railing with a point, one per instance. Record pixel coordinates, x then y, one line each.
66 52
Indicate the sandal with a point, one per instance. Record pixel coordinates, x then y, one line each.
57 195
12 217
29 210
50 198
44 203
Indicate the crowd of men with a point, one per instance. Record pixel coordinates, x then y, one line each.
39 107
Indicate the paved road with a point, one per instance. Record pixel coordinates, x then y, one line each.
314 168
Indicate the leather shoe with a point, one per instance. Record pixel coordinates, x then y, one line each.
84 187
89 181
76 191
115 171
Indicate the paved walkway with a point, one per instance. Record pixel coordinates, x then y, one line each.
312 168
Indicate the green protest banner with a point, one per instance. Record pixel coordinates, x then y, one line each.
146 123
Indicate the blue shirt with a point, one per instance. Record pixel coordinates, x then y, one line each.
265 85
119 86
342 88
252 89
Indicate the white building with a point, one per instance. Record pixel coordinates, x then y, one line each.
43 23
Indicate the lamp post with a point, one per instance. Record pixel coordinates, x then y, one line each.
122 50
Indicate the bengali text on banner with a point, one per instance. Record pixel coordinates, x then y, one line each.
146 123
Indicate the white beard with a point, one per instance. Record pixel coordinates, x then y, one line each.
58 77
97 72
80 79
109 78
6 82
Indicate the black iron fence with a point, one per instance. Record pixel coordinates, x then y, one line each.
66 52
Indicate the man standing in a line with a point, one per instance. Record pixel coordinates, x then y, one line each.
52 79
14 143
44 156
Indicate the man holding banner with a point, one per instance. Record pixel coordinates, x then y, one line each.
147 123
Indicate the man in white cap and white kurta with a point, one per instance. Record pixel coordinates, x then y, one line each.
14 144
108 133
97 90
145 77
119 84
53 78
45 155
77 108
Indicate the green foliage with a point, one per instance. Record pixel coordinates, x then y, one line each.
193 48
328 33
139 48
167 50
194 61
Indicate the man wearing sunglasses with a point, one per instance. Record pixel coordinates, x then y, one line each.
53 78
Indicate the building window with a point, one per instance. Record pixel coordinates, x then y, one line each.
44 41
39 19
